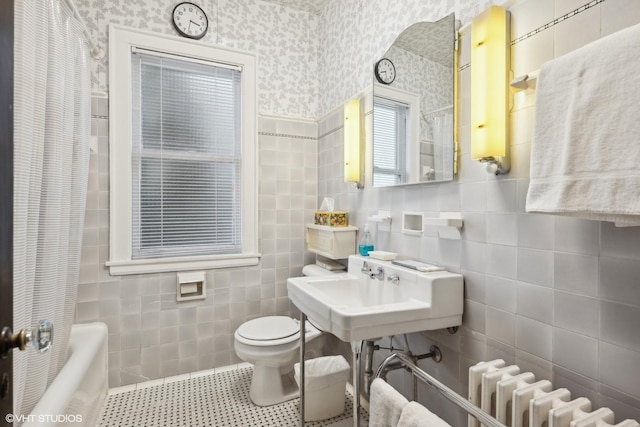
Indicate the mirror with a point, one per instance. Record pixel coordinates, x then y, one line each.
413 114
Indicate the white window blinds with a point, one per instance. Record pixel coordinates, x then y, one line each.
389 143
186 157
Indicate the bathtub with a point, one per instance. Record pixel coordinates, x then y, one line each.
80 388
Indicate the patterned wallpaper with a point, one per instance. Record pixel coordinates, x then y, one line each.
355 34
298 50
284 39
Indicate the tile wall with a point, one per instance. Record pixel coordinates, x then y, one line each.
150 334
558 296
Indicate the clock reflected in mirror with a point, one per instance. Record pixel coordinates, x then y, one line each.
189 20
385 71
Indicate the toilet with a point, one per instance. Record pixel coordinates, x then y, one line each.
271 344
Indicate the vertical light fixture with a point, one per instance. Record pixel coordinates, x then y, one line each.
352 143
490 89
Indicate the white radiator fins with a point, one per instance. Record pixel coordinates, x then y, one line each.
564 414
475 384
490 382
516 400
504 395
594 419
540 406
522 397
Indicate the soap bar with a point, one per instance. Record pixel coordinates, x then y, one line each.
332 219
417 265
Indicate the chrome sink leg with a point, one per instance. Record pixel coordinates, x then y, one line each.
356 349
303 318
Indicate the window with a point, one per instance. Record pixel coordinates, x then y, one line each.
395 146
183 181
389 142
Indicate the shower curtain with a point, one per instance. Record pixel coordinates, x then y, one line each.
443 148
51 155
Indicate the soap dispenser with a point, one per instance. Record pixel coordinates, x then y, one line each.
366 243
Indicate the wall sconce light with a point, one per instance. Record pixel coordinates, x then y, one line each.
490 89
352 143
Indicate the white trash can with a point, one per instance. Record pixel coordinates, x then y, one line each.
325 381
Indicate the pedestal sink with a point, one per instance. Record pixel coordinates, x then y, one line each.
375 299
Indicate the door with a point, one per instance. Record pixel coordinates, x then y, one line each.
6 200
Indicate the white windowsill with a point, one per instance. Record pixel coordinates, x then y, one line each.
120 268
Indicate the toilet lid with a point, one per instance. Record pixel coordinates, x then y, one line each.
269 328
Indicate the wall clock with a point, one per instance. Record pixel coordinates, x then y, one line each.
189 20
385 71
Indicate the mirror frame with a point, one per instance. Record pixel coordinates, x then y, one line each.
415 117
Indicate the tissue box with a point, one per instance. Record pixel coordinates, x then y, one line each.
332 219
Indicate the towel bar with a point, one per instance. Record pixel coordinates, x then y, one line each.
525 81
403 360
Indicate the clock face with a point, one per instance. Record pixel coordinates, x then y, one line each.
385 71
190 20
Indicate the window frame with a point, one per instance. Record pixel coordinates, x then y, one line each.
121 42
412 151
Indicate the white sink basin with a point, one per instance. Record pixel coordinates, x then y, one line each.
356 307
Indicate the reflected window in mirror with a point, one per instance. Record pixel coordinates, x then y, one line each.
423 55
389 142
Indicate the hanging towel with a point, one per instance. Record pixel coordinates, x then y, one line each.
385 405
585 154
416 415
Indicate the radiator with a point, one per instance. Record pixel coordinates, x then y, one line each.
517 400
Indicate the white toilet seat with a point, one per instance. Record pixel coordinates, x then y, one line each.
270 331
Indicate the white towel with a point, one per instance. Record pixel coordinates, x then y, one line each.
416 415
385 404
585 155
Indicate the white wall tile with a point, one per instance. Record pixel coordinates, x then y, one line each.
535 302
475 227
619 324
502 261
534 337
576 273
529 55
502 229
619 280
474 197
501 293
501 195
501 326
529 15
535 266
623 242
474 315
576 313
618 14
577 235
536 231
474 285
612 358
473 256
577 352
576 31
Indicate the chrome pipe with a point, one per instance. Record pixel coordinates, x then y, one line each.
486 419
303 318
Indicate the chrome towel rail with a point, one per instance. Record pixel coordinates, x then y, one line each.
404 361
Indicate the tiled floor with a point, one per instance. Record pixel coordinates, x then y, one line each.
217 399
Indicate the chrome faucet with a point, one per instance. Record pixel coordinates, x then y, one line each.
379 274
394 278
365 268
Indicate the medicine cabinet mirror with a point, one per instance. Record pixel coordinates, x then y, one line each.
413 115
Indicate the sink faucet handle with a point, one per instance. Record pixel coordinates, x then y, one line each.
365 268
394 278
379 274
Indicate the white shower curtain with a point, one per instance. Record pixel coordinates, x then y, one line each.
51 155
443 148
